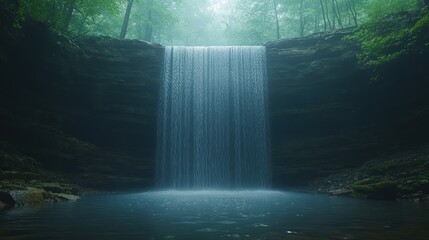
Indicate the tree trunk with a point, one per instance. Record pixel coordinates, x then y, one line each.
327 15
337 12
355 16
317 23
82 25
148 34
301 18
324 16
277 19
126 19
53 13
352 9
170 29
69 15
139 30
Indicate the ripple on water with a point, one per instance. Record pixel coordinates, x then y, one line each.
207 230
227 222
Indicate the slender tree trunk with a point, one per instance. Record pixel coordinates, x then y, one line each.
170 29
82 25
140 30
327 15
349 13
324 16
316 23
334 16
53 13
336 13
277 19
149 25
126 19
336 10
301 18
69 15
354 12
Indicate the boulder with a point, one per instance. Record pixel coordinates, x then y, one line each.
30 196
6 201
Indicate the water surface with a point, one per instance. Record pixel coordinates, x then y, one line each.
218 215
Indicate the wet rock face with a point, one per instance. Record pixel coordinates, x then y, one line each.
86 107
315 104
327 114
109 89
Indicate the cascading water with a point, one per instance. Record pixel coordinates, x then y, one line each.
212 126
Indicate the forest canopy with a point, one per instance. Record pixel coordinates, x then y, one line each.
209 22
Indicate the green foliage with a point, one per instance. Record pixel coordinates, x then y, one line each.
55 12
236 22
391 30
252 23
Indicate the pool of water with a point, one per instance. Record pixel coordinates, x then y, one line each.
218 215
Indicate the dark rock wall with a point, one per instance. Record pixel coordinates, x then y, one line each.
326 112
88 107
85 107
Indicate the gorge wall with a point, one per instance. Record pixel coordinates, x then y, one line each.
87 108
328 112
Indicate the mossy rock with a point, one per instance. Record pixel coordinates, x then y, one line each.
406 189
365 181
30 196
377 190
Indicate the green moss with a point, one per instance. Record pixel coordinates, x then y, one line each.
378 190
406 189
364 182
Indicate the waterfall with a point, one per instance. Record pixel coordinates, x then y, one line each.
212 119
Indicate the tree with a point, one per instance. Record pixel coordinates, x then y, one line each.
69 14
126 19
324 15
391 30
149 24
352 10
277 19
301 18
209 22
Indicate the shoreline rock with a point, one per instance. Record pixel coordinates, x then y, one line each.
6 201
402 175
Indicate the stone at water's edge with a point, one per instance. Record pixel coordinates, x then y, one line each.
402 175
35 196
6 201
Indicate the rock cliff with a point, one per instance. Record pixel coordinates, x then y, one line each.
86 108
330 113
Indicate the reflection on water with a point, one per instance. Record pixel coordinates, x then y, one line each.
218 215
